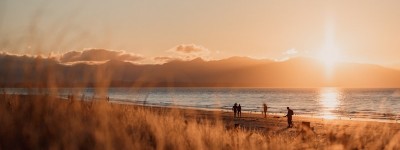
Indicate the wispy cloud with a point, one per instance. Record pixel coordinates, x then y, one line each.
190 49
290 52
163 59
184 52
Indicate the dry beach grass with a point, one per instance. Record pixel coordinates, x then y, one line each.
45 122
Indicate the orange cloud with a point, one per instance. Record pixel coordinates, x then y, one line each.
98 55
190 49
185 52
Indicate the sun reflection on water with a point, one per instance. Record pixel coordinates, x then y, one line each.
329 102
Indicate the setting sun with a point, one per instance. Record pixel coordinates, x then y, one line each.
329 58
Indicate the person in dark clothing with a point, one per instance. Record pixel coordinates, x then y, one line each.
239 108
265 110
235 109
289 117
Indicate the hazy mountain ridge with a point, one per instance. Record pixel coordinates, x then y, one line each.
19 71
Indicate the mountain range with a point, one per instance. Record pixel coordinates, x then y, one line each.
23 71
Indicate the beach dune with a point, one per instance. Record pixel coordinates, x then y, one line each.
44 122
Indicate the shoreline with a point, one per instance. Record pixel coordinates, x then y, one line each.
318 111
395 121
277 124
126 102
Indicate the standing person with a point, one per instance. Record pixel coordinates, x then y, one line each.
234 108
239 110
265 110
289 117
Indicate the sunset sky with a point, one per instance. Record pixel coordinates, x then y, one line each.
364 31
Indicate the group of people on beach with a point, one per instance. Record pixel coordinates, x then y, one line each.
237 112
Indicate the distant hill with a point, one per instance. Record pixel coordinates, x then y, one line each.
22 71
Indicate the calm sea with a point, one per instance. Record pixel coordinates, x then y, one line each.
328 103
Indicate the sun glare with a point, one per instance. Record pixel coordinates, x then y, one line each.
329 55
329 102
329 58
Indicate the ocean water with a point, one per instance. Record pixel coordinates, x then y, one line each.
328 103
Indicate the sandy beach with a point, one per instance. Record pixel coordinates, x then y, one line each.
276 123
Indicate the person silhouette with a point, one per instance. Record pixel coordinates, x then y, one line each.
234 108
265 110
289 117
239 108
